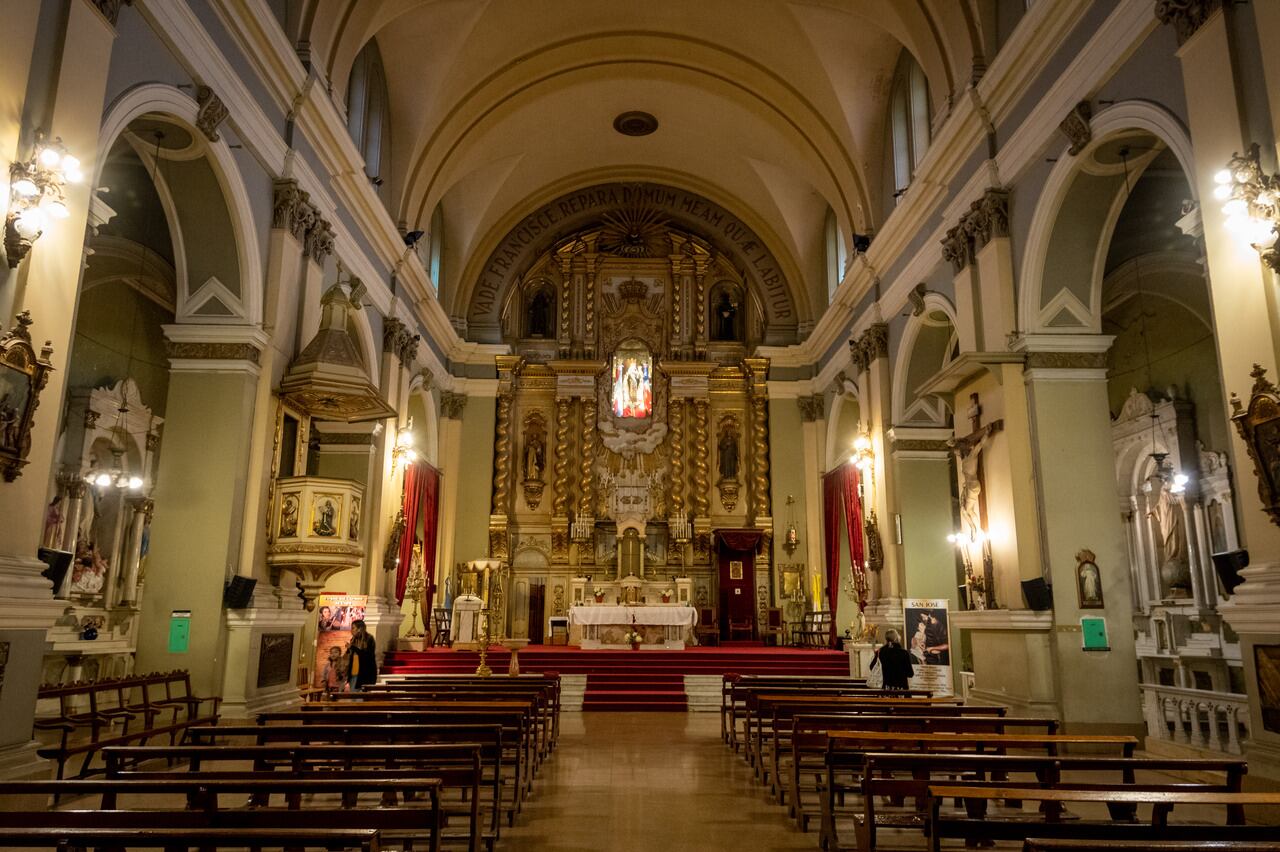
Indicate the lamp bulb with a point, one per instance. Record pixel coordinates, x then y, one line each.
1235 207
70 164
73 175
25 187
102 480
135 482
30 223
57 209
1223 176
49 158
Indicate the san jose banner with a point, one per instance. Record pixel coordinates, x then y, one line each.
927 636
335 613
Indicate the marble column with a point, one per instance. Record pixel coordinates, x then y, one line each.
452 406
141 512
921 468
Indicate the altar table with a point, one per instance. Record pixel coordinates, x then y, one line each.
604 626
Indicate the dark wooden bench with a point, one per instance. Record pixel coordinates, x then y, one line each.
1041 845
732 704
1048 821
145 837
395 815
494 755
896 777
457 765
121 701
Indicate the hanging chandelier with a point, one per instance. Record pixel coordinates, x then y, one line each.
118 475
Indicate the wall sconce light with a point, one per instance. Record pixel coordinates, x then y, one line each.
863 455
36 196
1251 202
403 449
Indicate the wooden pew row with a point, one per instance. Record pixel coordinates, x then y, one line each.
750 696
896 777
459 767
731 706
513 716
397 816
1037 844
499 772
761 707
541 694
549 679
1049 824
145 837
807 747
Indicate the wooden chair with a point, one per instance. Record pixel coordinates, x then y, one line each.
440 633
816 631
746 626
772 626
708 628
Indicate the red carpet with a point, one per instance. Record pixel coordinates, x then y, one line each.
625 679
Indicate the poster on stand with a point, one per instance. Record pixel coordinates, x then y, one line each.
927 637
335 614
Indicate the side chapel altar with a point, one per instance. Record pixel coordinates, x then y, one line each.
631 429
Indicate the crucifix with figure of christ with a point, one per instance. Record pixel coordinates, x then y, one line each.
973 497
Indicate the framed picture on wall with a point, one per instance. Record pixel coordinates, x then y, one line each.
735 569
1088 581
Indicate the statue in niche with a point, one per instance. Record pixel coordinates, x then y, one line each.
726 318
539 315
1171 533
728 451
533 458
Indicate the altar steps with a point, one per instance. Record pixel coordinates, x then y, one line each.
742 659
641 692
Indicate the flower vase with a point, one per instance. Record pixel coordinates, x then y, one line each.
666 598
635 646
599 599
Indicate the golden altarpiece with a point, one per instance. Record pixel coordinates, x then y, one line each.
631 425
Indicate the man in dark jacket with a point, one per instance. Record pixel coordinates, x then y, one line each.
895 662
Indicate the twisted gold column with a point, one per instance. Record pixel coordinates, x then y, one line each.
502 455
701 501
560 504
677 455
760 453
587 481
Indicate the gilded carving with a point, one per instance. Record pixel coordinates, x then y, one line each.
586 479
1258 423
211 351
502 455
760 455
557 600
1076 127
1067 360
701 503
212 113
677 455
23 375
560 475
533 458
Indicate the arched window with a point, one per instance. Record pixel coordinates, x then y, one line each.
435 249
369 116
908 121
837 254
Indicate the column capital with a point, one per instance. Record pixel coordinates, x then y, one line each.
291 208
1064 357
452 405
398 339
811 407
110 9
1186 16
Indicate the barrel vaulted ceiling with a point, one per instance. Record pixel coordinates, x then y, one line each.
773 109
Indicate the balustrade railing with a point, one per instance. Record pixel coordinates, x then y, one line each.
1218 721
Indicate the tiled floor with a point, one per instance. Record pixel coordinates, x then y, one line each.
649 782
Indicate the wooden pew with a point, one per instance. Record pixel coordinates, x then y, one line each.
898 776
491 738
1050 825
143 837
761 706
732 706
395 816
751 695
809 738
512 716
1036 844
121 700
549 679
457 765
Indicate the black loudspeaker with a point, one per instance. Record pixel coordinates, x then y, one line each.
1038 594
238 592
59 561
1228 565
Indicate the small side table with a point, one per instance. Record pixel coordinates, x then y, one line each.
514 646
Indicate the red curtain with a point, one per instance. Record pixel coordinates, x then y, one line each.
430 527
832 490
411 502
841 507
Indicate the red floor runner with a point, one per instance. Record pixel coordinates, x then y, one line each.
742 659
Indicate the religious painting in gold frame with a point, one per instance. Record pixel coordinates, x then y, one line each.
326 512
735 569
1259 426
23 374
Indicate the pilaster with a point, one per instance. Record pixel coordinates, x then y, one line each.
452 406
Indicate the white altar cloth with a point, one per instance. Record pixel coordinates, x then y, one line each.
599 626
